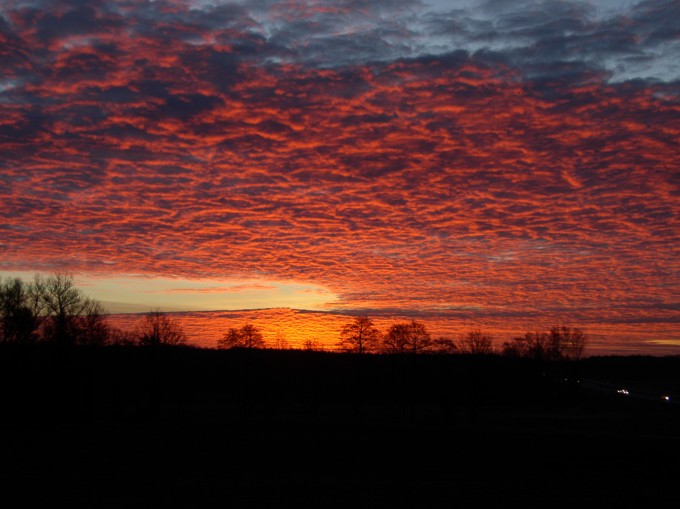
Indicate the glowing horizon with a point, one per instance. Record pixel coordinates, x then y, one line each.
140 293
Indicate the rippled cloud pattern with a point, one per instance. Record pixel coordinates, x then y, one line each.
500 160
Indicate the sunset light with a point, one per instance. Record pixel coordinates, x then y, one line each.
494 163
402 254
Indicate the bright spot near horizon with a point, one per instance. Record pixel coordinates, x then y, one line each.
137 293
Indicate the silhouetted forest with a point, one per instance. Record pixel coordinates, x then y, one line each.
123 426
150 421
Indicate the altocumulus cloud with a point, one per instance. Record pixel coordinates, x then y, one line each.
467 157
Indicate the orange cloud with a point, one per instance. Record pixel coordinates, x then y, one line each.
448 182
226 289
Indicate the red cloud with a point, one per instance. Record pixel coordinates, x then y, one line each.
431 183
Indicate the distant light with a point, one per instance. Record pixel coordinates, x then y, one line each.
623 391
666 398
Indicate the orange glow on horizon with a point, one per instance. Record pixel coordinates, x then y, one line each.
291 328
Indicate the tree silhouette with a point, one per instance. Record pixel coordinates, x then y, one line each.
51 309
20 307
396 339
63 302
444 345
573 341
248 336
359 336
419 339
560 342
531 344
231 339
477 343
252 337
310 345
281 341
158 328
407 337
92 326
64 305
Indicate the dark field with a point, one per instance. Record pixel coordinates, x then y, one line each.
134 427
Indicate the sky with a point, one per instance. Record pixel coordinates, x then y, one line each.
466 159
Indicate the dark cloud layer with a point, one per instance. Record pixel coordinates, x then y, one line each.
487 161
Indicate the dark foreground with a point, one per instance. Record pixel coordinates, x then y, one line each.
130 427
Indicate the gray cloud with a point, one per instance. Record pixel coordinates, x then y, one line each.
551 38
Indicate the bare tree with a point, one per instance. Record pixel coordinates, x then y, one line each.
92 326
248 336
572 341
52 309
61 296
419 339
477 343
531 344
231 339
20 308
407 337
310 345
281 341
252 336
158 328
396 339
444 345
560 342
63 304
359 336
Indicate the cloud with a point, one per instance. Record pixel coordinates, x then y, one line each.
225 289
537 38
480 160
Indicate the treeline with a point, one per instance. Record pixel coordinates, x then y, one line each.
53 310
558 343
362 336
